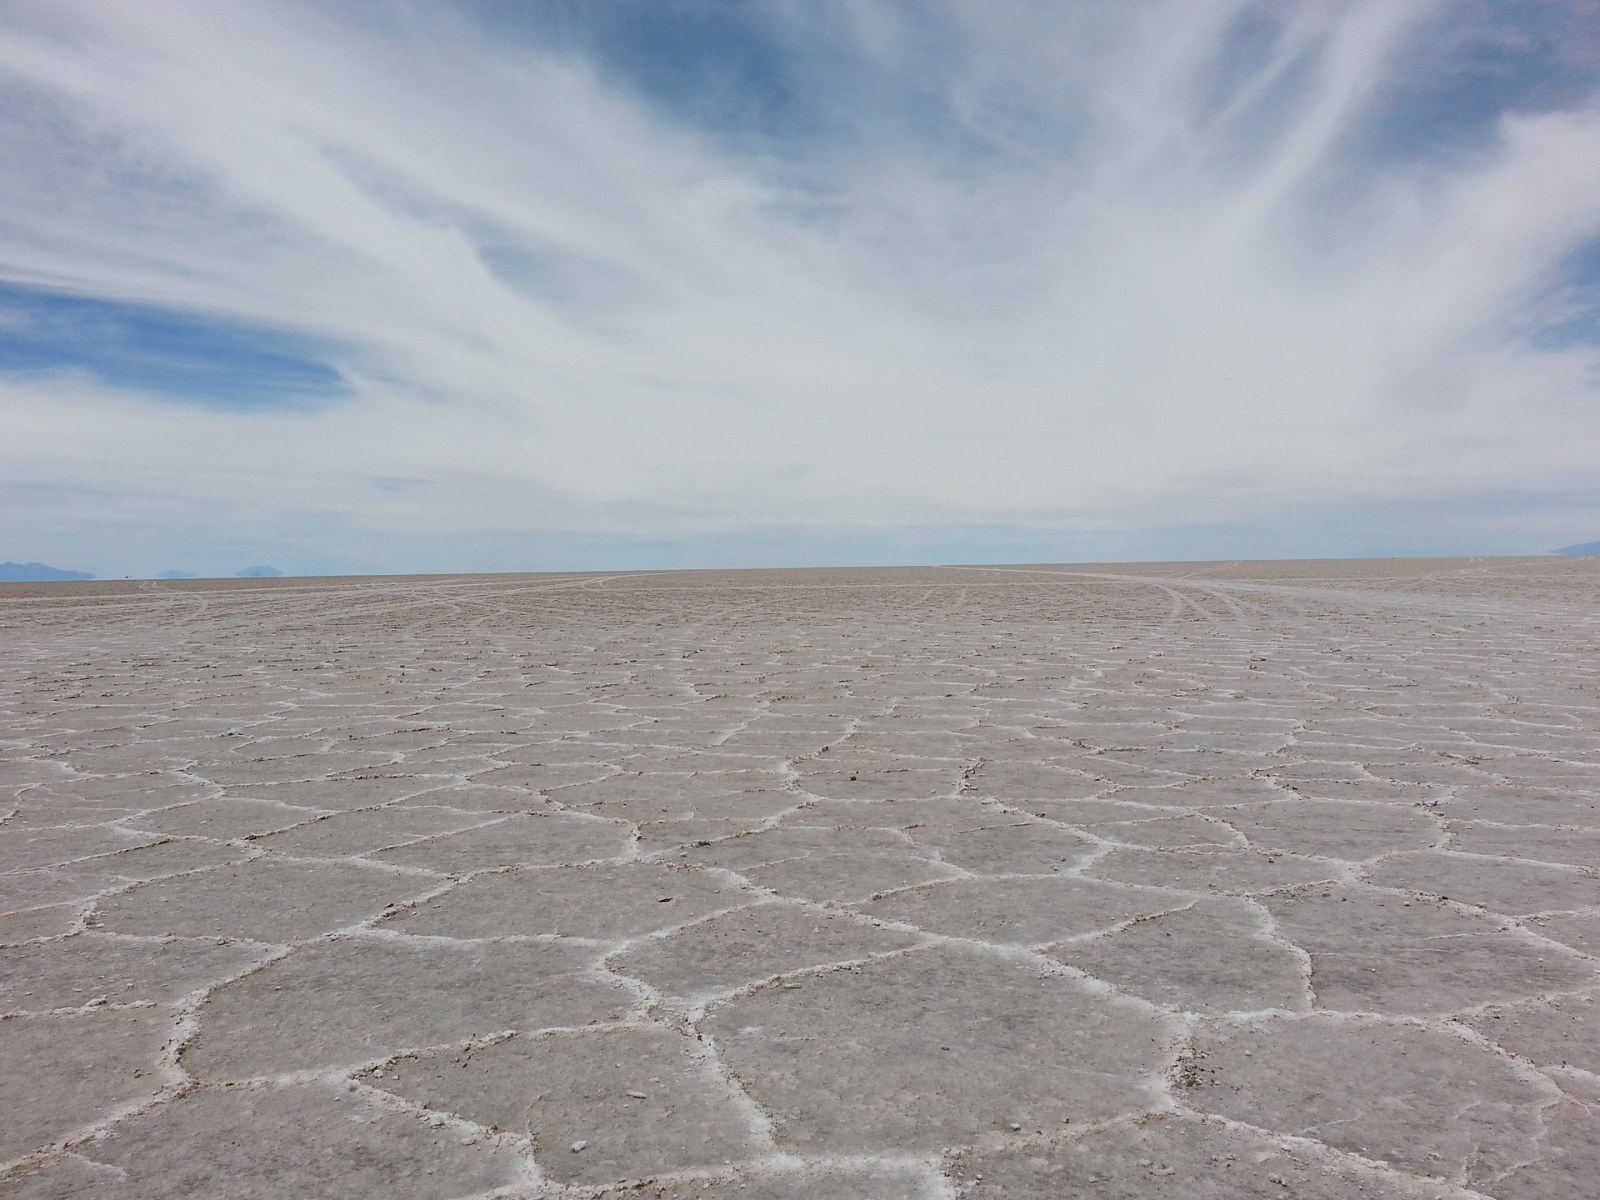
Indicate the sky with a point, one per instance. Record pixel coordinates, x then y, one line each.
415 287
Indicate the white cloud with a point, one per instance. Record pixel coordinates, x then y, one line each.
1057 267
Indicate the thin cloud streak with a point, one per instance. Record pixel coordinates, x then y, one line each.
1078 269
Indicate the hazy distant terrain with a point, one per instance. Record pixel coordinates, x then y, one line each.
33 572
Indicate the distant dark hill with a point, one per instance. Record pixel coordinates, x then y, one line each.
11 572
262 572
1585 548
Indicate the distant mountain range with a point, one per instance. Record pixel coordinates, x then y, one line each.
11 572
1585 548
33 572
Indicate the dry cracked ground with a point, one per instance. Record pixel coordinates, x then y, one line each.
1243 880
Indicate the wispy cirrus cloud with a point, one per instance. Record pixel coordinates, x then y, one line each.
856 280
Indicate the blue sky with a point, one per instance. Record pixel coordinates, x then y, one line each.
501 286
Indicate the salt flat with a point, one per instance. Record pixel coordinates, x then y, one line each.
1182 880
